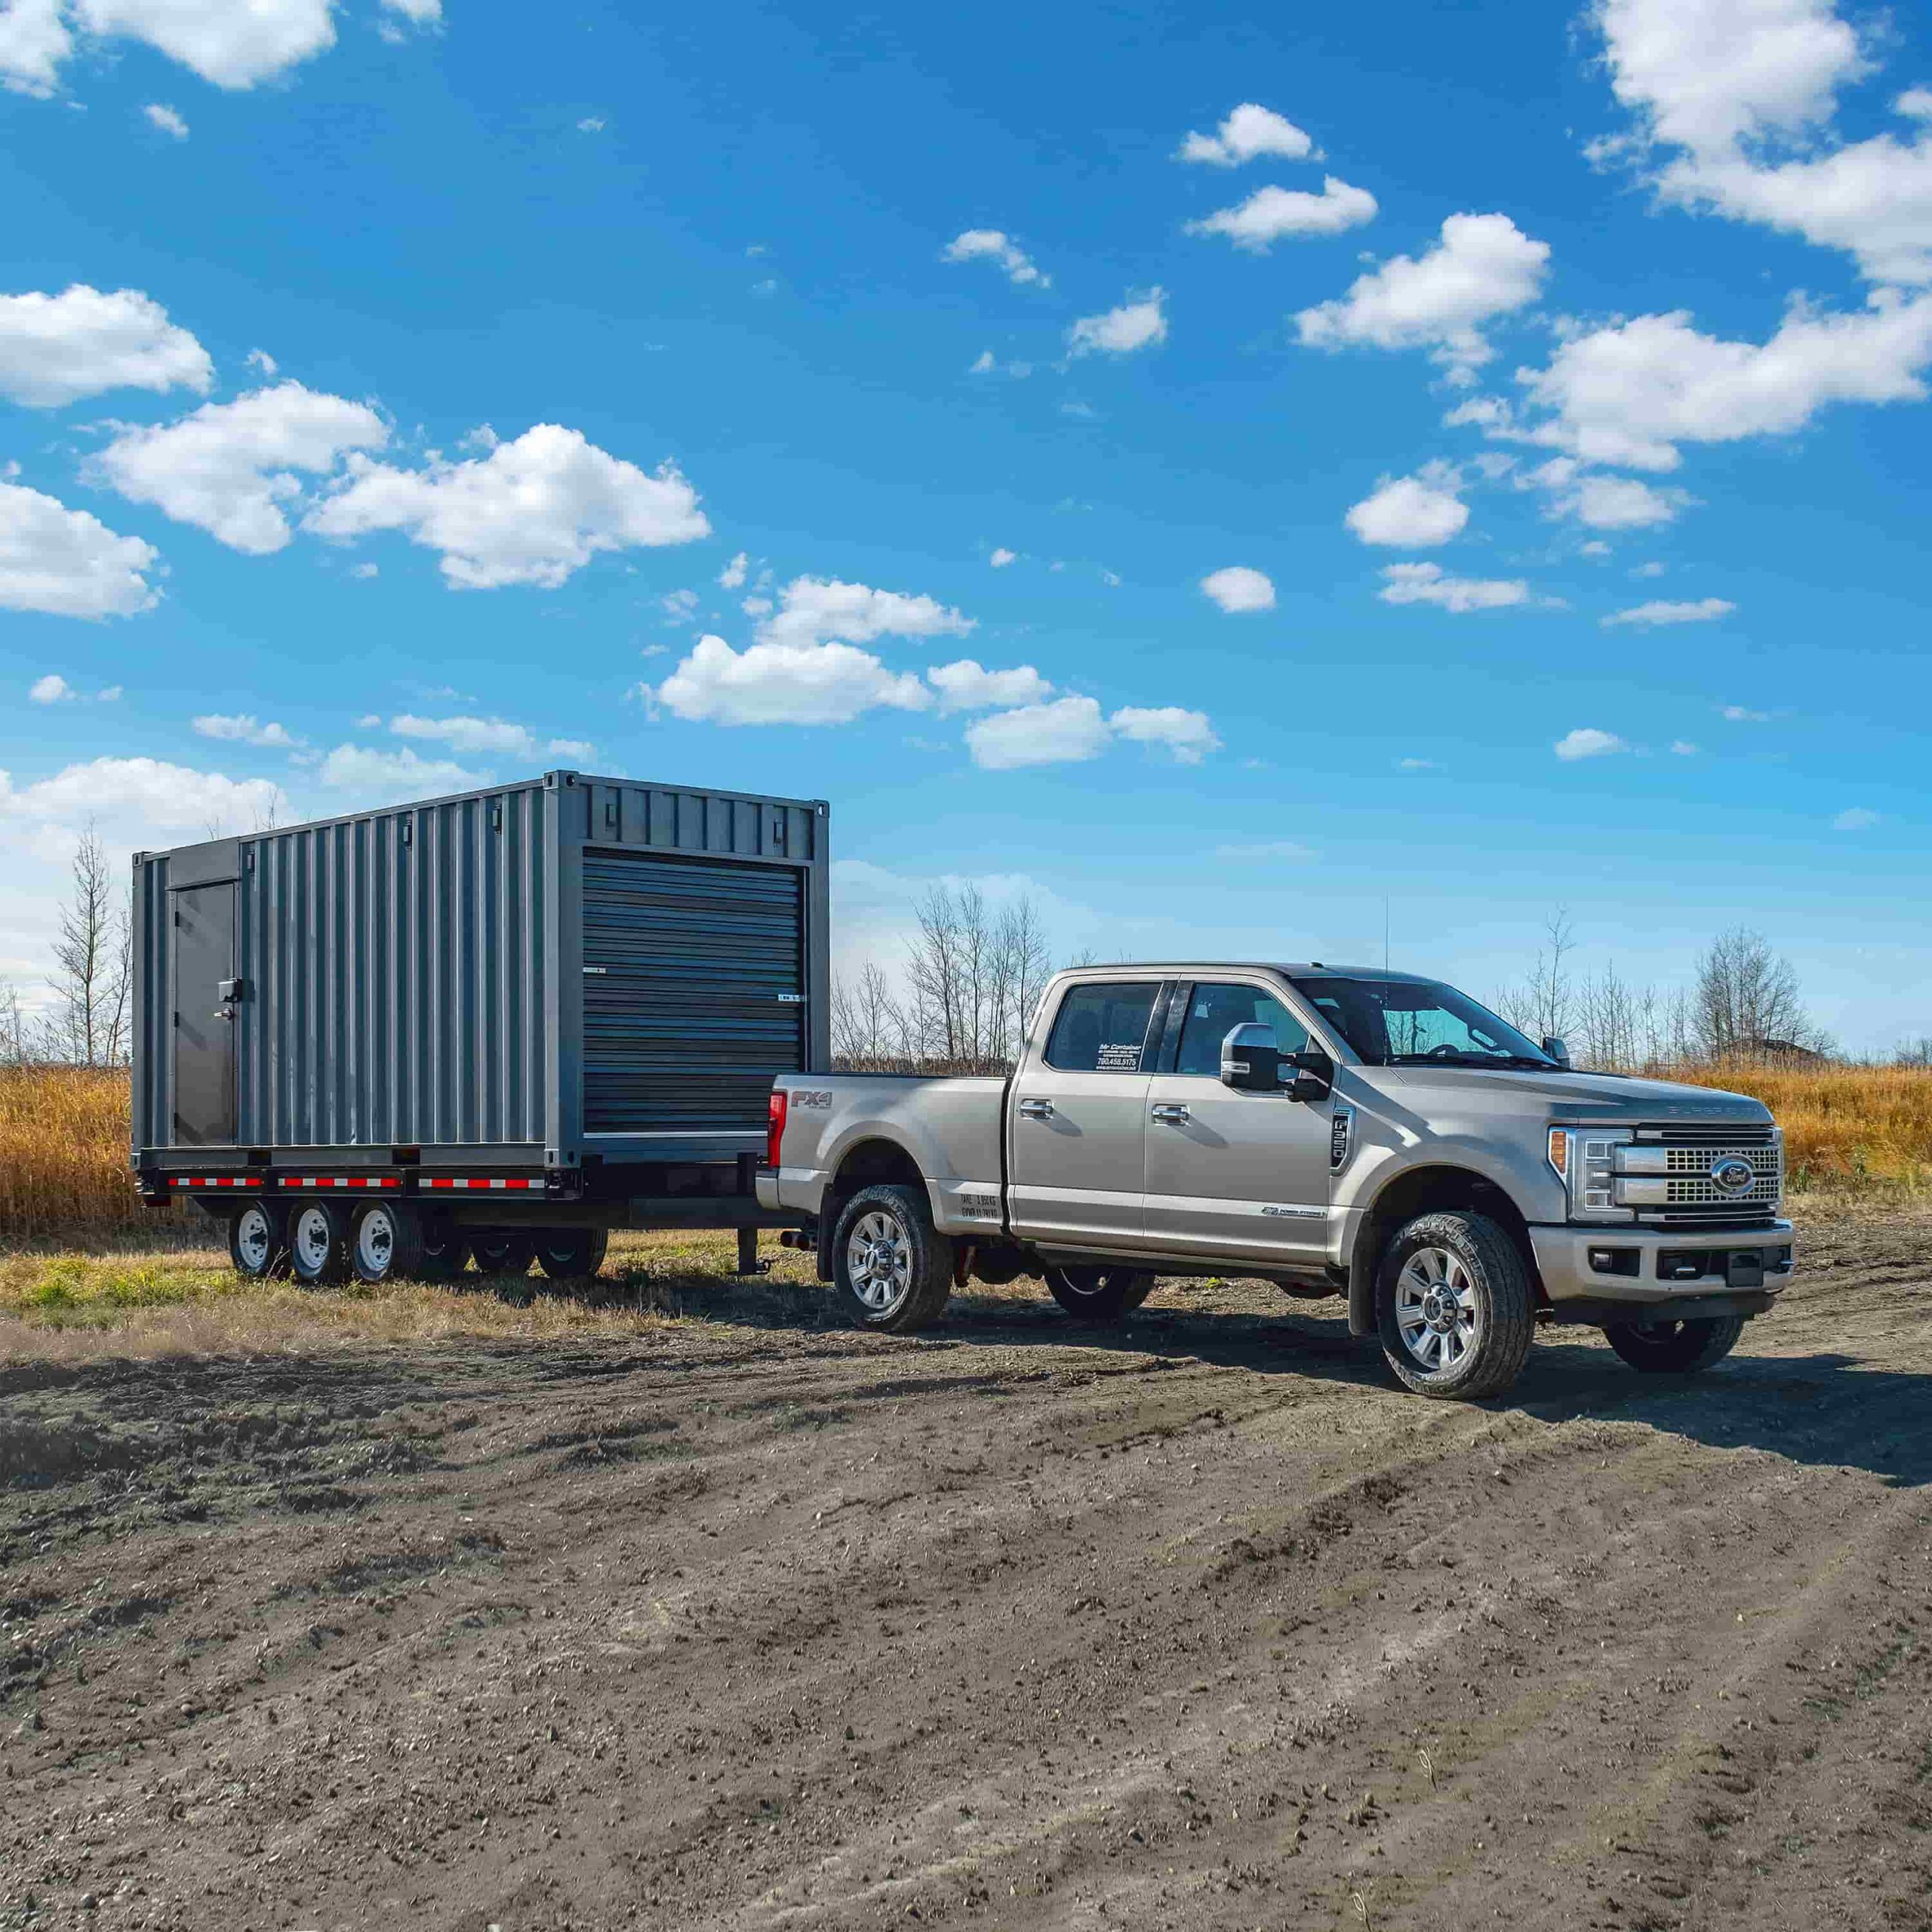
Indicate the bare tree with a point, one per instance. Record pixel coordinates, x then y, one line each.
1546 1003
15 1047
93 959
868 1030
1747 1003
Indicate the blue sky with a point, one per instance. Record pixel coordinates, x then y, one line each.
1473 457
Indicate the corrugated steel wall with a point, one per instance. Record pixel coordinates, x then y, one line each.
395 966
610 812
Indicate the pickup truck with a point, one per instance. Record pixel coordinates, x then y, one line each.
1335 1130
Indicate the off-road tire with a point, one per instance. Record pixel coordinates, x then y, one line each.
1676 1347
386 1243
1490 1278
319 1234
258 1241
445 1250
915 1295
571 1254
1098 1294
502 1251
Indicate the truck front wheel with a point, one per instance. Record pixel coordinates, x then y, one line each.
891 1267
1453 1304
1676 1347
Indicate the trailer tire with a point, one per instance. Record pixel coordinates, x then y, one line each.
386 1243
502 1251
1676 1347
258 1241
571 1254
445 1250
1100 1294
319 1234
892 1268
1454 1307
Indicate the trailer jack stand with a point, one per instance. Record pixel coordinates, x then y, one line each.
748 1261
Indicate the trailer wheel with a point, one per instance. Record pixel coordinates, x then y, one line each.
891 1267
445 1250
502 1251
386 1243
318 1244
1098 1294
258 1241
571 1254
1453 1304
1676 1347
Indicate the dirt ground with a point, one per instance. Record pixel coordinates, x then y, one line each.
745 1620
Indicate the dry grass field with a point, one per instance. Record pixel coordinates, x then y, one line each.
1864 1131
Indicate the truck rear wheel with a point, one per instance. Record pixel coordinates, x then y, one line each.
1098 1294
258 1241
1676 1347
1453 1304
891 1267
318 1244
571 1254
386 1243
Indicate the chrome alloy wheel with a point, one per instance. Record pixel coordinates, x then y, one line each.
311 1238
878 1258
375 1243
254 1239
1435 1309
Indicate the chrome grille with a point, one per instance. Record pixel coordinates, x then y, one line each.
1689 1154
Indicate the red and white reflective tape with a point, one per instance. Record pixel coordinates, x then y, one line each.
480 1181
342 1180
215 1180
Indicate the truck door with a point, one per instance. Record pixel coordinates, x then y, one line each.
1078 1105
1231 1174
203 931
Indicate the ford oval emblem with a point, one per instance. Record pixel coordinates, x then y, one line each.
1732 1174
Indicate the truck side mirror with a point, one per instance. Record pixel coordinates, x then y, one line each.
1251 1059
1313 1076
1558 1049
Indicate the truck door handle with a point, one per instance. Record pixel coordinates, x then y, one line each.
1172 1112
1036 1110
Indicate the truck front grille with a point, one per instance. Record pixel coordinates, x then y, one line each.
1691 1195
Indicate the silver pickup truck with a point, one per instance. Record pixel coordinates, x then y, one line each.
1336 1131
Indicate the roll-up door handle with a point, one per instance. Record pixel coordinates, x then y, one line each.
1036 1110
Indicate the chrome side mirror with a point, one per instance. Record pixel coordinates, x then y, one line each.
1251 1059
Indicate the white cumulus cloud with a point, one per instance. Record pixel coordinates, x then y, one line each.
168 797
811 609
52 689
1270 214
166 119
233 44
1411 512
531 511
1704 611
992 245
1002 558
68 563
1139 322
378 775
785 684
1482 266
1067 730
481 737
244 728
57 349
1428 583
732 577
1187 734
968 686
231 467
1605 503
1248 133
1239 588
1588 741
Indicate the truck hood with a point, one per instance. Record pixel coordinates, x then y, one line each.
1611 1099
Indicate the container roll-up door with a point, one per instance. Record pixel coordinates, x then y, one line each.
692 991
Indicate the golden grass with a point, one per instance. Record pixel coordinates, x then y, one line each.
63 1157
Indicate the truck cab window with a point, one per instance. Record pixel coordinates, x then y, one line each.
1102 1028
1213 1010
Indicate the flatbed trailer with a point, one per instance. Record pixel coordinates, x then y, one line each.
530 1014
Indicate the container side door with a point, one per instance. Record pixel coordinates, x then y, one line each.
203 927
693 992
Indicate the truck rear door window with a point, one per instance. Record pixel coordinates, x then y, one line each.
1102 1028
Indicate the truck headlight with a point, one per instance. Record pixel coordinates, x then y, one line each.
1585 1159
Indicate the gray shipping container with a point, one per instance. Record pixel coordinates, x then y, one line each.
568 973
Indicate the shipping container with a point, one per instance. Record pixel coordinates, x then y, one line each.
576 987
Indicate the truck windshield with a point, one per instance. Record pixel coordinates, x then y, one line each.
1397 1023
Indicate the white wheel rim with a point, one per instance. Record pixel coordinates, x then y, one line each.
375 1241
878 1260
313 1240
1436 1313
252 1239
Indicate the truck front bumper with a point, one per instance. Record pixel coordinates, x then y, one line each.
1646 1268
